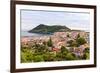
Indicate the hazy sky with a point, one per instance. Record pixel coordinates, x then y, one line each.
73 20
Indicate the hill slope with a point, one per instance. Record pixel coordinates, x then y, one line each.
45 29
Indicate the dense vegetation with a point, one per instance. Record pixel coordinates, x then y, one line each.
37 55
77 42
45 29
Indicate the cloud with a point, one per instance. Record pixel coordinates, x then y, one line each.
30 19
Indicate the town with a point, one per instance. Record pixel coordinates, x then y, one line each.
71 45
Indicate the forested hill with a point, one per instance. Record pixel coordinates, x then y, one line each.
46 29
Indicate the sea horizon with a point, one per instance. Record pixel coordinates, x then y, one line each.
25 33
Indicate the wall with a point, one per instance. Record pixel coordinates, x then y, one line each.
5 36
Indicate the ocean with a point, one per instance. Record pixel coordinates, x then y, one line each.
26 33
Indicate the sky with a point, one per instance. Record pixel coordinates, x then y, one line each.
74 20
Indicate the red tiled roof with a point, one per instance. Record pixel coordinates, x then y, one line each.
55 49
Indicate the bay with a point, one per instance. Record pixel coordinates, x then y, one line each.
28 34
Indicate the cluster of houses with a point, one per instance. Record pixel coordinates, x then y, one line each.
59 39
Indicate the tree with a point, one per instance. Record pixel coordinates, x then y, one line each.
86 53
80 41
86 56
72 43
63 49
49 56
26 56
71 56
38 58
49 43
40 48
78 36
59 56
87 50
